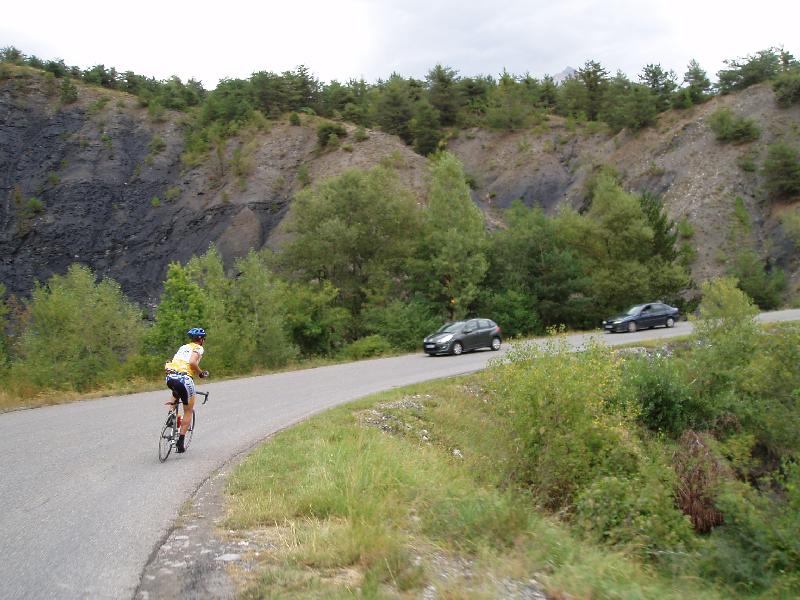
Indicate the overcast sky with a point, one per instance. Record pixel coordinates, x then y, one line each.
343 39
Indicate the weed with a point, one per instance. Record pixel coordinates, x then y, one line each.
155 202
98 105
156 145
172 193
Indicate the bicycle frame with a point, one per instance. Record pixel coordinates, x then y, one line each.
171 429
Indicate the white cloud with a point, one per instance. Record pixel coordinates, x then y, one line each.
354 38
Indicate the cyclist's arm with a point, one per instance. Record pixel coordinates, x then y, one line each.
194 362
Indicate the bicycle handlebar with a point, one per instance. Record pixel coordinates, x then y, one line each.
204 394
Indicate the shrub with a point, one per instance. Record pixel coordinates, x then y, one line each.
402 322
155 202
326 130
700 473
156 145
172 193
303 176
782 170
659 387
366 347
361 134
559 408
787 88
68 93
34 205
730 128
79 333
637 514
294 119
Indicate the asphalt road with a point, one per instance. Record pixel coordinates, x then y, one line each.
84 500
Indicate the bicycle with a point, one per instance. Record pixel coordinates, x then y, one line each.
172 428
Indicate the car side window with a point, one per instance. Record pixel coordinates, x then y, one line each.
472 325
646 309
485 324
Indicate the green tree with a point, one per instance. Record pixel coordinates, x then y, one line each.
443 93
394 108
183 305
661 83
425 128
78 333
665 233
628 105
697 83
354 231
782 170
742 73
761 281
453 250
595 79
534 279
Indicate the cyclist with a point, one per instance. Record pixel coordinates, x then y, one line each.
180 370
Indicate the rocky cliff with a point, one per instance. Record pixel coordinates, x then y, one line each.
101 181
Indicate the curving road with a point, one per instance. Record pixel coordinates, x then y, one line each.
84 500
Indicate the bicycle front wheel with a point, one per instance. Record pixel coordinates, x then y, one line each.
165 440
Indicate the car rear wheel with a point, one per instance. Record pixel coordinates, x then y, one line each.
670 322
632 327
457 348
495 343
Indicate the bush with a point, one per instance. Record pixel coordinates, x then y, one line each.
366 347
665 399
294 119
79 333
637 514
730 128
782 170
326 130
68 93
35 205
787 88
402 322
560 408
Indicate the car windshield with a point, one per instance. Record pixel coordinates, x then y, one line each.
634 310
451 327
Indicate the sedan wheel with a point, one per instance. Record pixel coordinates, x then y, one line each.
632 326
495 343
670 322
457 348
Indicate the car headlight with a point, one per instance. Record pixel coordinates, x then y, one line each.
617 321
445 338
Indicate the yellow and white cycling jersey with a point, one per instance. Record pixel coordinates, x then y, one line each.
180 362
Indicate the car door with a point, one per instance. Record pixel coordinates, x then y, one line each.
486 332
646 317
472 334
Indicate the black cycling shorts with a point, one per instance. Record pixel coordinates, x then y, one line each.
182 387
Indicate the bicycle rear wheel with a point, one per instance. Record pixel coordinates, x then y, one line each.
165 440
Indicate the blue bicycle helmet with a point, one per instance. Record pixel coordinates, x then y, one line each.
196 333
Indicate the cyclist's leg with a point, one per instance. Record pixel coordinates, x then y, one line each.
188 404
188 411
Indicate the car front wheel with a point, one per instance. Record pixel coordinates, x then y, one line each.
457 348
495 343
632 327
670 322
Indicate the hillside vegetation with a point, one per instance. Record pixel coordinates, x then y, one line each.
272 209
597 474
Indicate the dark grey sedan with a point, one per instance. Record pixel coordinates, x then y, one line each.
462 336
643 316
